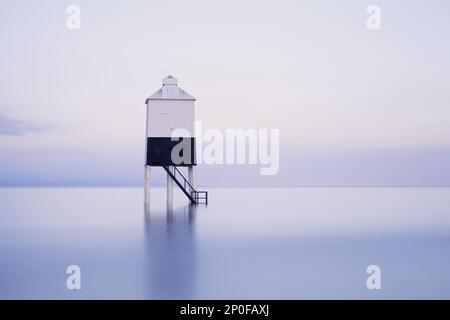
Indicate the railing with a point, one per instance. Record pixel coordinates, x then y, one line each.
186 185
193 195
196 196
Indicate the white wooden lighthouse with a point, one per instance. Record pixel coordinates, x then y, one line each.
170 141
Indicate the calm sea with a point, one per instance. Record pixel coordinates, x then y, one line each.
248 243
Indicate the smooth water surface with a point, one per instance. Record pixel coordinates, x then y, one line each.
248 243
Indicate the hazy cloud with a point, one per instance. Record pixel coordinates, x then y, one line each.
15 127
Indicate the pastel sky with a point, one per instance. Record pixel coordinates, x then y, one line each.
354 106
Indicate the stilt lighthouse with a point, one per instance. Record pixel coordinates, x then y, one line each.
170 141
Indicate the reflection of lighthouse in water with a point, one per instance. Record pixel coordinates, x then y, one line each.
170 252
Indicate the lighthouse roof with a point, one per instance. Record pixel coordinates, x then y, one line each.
170 91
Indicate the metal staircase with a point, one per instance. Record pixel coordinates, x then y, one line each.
193 195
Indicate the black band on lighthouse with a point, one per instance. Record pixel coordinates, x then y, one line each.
159 151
